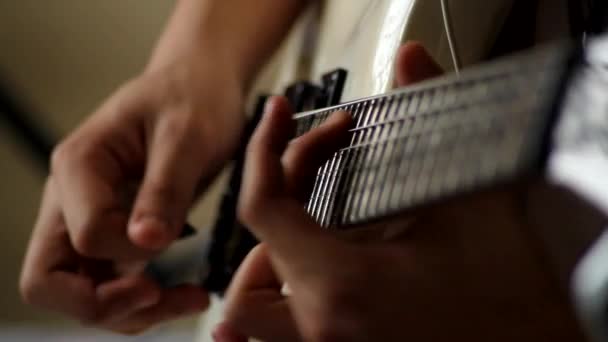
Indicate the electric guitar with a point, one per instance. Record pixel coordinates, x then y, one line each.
535 122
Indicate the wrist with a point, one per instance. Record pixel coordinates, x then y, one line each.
194 36
235 35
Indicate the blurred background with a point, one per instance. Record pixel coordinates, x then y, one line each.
58 60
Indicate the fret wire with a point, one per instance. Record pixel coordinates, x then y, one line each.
323 199
469 146
359 155
367 175
427 163
356 155
326 179
367 159
328 215
316 213
385 155
320 183
460 139
394 129
405 126
395 156
477 118
409 153
410 146
335 164
312 202
410 176
336 179
389 121
477 150
448 153
350 159
372 204
421 131
408 171
439 134
458 156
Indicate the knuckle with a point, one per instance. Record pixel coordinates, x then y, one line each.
299 149
84 239
70 151
29 289
59 156
249 210
255 145
174 85
178 126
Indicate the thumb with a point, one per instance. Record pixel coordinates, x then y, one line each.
173 170
255 306
415 64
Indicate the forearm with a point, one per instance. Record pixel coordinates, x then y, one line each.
241 34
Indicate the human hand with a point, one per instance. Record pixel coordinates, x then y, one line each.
463 271
119 191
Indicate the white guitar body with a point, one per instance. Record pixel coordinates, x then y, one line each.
362 36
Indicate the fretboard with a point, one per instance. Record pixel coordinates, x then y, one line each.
429 142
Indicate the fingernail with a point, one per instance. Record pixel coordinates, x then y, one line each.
150 231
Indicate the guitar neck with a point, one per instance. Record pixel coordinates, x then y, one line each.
439 139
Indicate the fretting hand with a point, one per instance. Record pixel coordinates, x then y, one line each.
458 272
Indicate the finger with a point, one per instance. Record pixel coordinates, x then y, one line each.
90 169
49 247
414 64
223 332
265 205
123 297
173 170
255 306
51 279
307 153
174 303
264 173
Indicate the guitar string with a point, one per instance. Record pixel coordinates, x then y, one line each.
449 32
369 157
414 103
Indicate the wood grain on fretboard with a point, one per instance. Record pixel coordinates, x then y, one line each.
442 138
